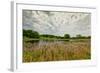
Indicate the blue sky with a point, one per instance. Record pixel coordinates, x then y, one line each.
57 23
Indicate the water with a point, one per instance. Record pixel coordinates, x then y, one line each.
38 42
45 42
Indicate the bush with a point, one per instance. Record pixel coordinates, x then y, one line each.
30 34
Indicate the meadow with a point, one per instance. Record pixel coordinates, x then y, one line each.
56 50
55 36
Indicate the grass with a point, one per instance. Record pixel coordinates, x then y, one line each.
56 51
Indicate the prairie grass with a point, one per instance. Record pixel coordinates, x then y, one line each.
56 51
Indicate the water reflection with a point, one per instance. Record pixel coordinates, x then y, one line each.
37 43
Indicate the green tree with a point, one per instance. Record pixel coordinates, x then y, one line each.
66 36
30 34
35 34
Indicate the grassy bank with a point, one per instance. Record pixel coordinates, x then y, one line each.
56 51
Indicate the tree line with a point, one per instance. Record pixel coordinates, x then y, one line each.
36 35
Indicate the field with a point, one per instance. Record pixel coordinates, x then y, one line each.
56 50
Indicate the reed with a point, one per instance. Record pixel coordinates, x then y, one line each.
56 51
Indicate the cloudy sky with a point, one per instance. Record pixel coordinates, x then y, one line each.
57 23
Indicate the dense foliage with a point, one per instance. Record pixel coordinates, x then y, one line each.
36 35
30 34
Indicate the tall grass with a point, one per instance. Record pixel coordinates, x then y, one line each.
56 51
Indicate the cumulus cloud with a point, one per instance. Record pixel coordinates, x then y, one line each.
57 23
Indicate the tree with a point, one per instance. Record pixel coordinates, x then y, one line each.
30 34
35 34
66 36
27 33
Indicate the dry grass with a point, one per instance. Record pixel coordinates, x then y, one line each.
56 51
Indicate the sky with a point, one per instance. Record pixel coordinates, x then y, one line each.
57 23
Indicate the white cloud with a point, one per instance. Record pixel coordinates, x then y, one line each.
57 23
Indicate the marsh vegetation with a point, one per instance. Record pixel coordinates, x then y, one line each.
37 50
